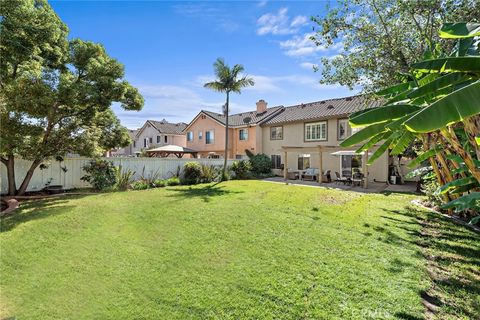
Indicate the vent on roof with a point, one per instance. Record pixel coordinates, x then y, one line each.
247 120
322 102
348 98
330 106
302 106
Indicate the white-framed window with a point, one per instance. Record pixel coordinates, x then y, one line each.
276 133
200 135
145 142
303 161
243 134
276 161
238 156
165 139
150 139
342 129
316 131
134 143
209 137
190 136
158 139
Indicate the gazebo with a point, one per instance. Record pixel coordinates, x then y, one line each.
165 151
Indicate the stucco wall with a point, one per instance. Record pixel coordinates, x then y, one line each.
239 146
150 132
293 136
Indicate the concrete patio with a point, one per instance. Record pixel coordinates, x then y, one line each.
373 187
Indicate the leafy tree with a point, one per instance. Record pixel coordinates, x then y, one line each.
440 106
228 81
380 39
55 93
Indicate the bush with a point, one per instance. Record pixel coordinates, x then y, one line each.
160 183
172 181
124 178
101 174
430 187
261 164
241 169
192 173
209 173
140 185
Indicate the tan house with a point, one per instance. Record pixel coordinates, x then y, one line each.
158 133
309 135
206 132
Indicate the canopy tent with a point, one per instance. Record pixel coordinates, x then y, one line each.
347 153
165 151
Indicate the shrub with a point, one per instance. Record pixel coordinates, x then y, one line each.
150 178
430 187
140 185
241 169
124 178
160 183
174 181
261 164
192 173
101 174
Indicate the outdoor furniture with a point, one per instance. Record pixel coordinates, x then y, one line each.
326 177
311 174
293 175
339 179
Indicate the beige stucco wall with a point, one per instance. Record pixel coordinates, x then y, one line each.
150 132
293 136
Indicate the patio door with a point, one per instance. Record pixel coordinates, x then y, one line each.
350 165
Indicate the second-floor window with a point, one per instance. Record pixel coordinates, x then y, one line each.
189 136
200 135
276 133
134 144
243 134
316 131
209 137
342 129
165 139
158 139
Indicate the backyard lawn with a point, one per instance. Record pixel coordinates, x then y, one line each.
236 250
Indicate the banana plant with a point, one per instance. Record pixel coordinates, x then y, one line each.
439 104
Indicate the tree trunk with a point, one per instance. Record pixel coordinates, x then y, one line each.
28 177
225 157
458 148
472 129
10 164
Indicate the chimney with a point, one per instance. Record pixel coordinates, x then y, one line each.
261 106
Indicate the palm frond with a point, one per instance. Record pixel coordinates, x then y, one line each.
215 85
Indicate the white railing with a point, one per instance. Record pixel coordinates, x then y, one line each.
68 172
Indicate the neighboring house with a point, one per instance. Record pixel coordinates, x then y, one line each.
310 132
127 151
158 133
206 132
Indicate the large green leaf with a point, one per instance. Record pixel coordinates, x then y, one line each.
419 172
396 89
424 156
374 140
439 83
455 107
363 134
382 114
450 64
381 150
402 143
456 183
469 201
459 30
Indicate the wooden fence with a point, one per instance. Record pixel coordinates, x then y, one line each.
69 171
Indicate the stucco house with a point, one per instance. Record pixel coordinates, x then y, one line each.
309 135
206 132
158 133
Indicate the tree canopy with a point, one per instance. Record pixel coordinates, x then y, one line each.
380 39
55 93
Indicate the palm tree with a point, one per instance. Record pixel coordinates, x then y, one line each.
227 81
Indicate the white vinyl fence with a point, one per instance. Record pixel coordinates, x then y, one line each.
68 172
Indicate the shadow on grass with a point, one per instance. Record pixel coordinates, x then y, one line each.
36 209
452 254
204 192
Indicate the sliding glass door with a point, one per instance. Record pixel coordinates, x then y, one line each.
351 165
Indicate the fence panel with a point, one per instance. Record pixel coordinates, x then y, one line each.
69 171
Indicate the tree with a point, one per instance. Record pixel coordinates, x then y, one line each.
380 39
228 81
55 93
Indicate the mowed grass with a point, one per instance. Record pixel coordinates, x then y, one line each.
235 250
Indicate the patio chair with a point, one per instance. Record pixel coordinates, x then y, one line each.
339 179
326 177
311 174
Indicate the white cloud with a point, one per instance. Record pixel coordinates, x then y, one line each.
279 23
307 65
262 3
299 21
304 46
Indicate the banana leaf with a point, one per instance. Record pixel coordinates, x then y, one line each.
364 134
424 156
402 143
455 107
457 183
459 30
381 150
377 138
396 89
450 64
419 172
469 201
382 114
439 83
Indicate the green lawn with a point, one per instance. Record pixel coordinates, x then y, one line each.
235 250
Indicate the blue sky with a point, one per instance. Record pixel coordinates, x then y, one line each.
168 49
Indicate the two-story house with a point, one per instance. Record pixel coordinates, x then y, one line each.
158 133
206 132
309 136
